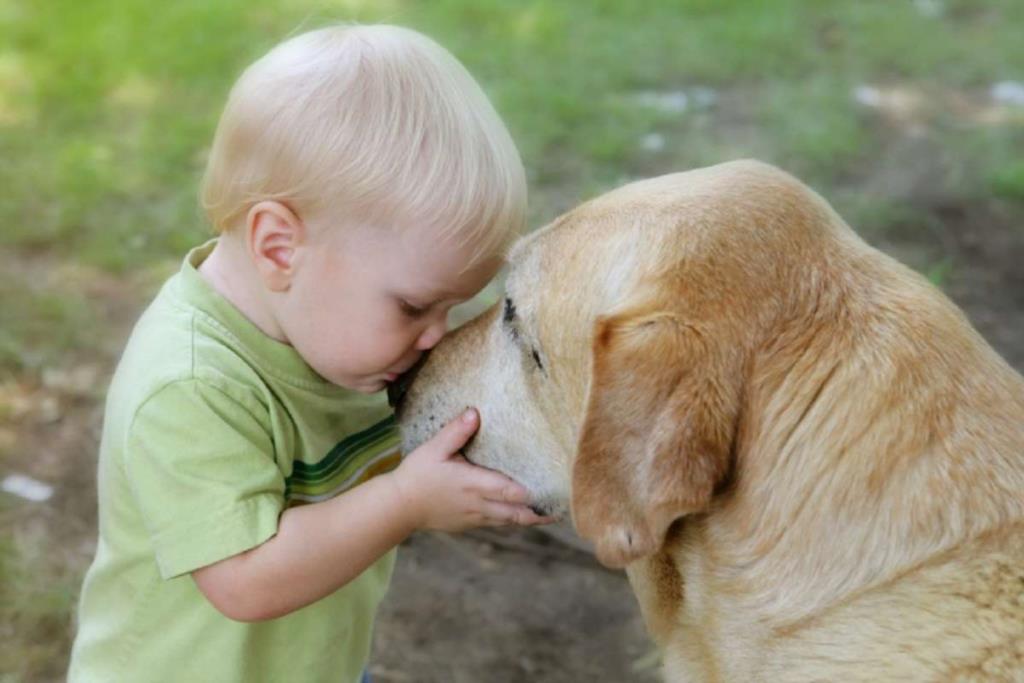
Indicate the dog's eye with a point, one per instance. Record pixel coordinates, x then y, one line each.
510 311
508 319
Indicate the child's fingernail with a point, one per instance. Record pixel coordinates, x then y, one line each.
468 416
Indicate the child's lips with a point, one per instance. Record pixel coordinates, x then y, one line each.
392 376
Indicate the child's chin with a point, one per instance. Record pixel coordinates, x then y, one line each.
366 385
370 386
375 385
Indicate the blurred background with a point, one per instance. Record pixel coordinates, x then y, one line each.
908 115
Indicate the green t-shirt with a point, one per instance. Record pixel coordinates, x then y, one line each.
211 430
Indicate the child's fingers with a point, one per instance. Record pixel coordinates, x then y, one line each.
503 514
456 433
496 487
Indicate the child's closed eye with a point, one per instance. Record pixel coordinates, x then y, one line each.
411 310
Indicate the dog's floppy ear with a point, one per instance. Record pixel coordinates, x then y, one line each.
657 436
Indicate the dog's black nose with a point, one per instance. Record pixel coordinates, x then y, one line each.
400 387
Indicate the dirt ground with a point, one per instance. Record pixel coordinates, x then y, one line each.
489 606
465 609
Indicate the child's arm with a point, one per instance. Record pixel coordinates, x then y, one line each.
320 547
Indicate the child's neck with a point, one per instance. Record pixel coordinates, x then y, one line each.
230 273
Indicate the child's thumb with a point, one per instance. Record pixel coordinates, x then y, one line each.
457 432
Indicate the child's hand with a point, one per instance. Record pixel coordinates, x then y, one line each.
440 490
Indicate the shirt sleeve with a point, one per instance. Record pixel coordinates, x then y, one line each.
202 470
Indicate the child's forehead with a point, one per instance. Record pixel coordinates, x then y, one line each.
424 256
445 271
426 241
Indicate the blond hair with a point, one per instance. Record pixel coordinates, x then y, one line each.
377 122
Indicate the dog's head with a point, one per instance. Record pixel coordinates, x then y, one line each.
610 379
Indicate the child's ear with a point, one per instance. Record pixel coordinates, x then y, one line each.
273 233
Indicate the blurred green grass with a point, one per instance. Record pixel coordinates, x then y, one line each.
108 107
38 596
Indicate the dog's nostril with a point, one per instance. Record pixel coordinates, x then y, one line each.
400 387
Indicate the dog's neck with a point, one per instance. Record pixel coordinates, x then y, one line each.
851 462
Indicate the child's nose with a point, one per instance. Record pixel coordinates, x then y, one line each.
432 335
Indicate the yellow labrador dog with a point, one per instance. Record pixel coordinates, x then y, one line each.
808 461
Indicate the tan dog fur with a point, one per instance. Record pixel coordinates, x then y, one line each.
809 463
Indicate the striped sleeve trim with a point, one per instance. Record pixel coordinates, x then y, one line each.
354 460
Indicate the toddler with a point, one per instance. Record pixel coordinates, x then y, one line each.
251 493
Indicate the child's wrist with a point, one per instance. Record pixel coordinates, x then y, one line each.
402 501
